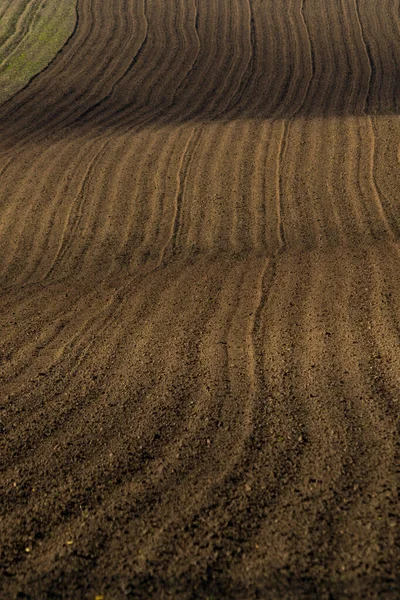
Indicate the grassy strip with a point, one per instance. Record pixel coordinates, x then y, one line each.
47 33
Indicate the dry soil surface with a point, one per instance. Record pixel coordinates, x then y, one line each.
200 305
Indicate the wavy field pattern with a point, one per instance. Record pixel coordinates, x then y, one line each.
31 34
200 302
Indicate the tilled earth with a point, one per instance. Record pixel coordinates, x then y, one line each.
200 305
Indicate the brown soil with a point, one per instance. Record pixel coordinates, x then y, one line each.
200 305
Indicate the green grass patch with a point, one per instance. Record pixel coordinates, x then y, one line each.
29 49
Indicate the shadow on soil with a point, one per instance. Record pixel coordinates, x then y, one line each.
321 75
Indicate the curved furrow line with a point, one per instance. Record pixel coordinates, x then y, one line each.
124 116
30 352
63 185
209 208
74 220
320 167
150 96
297 219
277 320
303 56
194 236
3 10
318 444
322 49
280 200
357 71
21 357
219 53
6 165
356 83
84 333
310 57
369 189
343 200
27 355
137 165
102 204
344 328
124 353
367 52
348 217
382 329
144 107
254 208
197 88
182 173
275 452
272 134
53 427
375 222
155 227
320 188
81 340
223 224
195 91
93 246
229 223
351 172
297 80
16 201
371 430
371 470
118 104
223 201
246 71
340 86
11 16
264 78
171 392
356 326
140 47
385 168
55 105
322 208
163 98
69 102
211 417
326 423
274 92
259 188
258 216
234 61
192 25
53 180
203 85
236 354
169 187
60 168
11 142
382 34
155 502
93 241
240 175
23 26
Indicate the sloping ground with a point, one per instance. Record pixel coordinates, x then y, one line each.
200 305
31 33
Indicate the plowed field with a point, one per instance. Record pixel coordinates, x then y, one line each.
200 303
